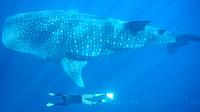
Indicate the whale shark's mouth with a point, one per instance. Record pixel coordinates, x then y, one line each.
11 34
8 36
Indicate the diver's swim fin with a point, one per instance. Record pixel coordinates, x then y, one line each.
181 40
50 104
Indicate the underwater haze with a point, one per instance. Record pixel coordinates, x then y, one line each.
143 80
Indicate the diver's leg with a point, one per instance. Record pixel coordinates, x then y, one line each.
88 102
87 96
60 103
86 99
53 94
53 104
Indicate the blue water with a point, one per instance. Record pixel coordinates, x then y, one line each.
144 80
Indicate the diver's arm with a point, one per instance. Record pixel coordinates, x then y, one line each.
88 96
53 94
87 102
92 99
67 99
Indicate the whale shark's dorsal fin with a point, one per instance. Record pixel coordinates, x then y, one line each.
135 26
73 69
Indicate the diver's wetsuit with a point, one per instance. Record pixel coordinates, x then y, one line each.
70 99
88 99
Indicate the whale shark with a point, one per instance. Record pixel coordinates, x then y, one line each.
72 38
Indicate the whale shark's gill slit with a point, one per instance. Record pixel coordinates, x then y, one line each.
73 68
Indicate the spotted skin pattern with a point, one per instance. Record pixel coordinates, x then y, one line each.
72 38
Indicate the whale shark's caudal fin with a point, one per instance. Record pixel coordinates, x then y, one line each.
73 68
181 40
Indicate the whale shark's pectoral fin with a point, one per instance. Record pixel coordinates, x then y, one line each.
135 26
73 68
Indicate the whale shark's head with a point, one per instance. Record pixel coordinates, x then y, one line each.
11 36
17 34
28 33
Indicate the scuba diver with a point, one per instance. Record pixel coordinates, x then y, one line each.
87 99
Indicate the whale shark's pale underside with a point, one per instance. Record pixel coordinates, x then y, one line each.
72 38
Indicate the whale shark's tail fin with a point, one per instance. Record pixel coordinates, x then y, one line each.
181 40
73 68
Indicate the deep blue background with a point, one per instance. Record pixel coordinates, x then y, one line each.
145 80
